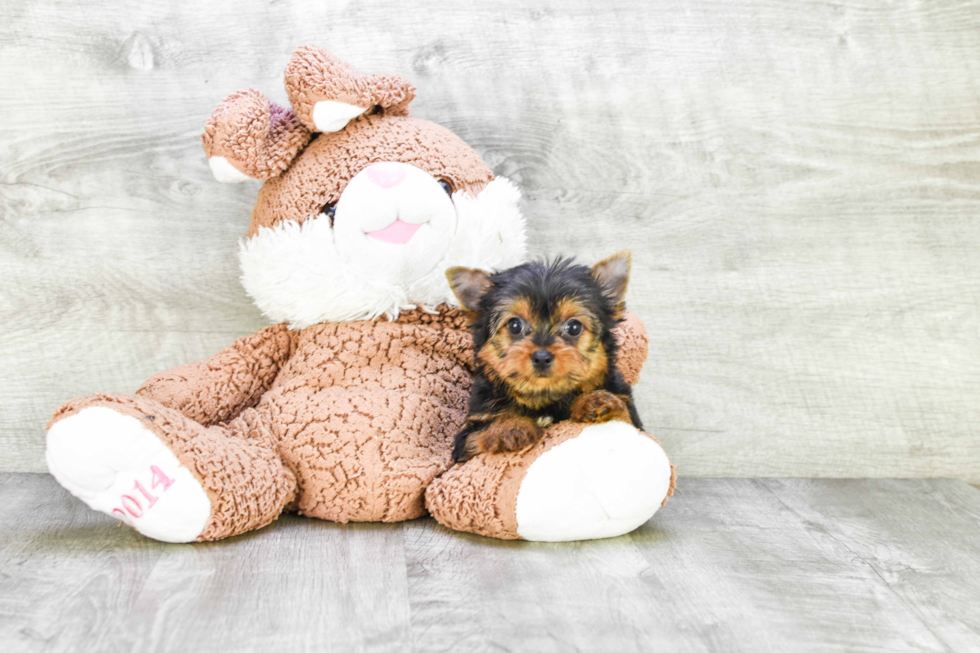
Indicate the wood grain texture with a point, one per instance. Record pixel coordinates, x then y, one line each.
727 565
799 182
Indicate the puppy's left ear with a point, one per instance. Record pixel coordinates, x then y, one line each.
613 274
468 285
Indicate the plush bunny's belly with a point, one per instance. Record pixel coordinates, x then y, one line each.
365 413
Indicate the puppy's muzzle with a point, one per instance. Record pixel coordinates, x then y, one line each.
542 360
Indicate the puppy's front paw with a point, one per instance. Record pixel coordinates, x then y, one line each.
599 406
509 433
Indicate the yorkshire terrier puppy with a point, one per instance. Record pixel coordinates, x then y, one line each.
545 350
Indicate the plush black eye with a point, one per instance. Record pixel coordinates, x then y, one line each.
573 328
329 210
515 326
446 186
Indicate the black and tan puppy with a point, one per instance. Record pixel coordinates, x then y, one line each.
545 350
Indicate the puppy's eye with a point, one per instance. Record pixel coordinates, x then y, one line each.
515 326
573 328
329 210
446 186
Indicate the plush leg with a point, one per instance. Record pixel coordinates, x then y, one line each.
165 475
579 482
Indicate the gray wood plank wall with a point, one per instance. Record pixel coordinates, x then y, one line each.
799 182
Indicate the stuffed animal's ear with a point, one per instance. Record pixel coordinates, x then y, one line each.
249 137
326 93
468 285
613 274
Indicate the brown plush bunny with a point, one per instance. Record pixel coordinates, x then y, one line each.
346 410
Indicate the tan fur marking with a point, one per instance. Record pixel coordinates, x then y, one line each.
320 173
507 433
599 407
568 309
579 366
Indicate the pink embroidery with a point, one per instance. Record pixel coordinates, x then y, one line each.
159 478
149 497
135 509
132 505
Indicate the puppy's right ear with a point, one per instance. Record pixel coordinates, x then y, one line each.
613 274
469 285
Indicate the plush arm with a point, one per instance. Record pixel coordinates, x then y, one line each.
633 342
218 388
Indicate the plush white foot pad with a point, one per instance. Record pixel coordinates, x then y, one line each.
118 466
605 482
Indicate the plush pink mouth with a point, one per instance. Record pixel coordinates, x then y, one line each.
397 232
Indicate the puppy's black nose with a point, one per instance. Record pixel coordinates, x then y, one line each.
542 359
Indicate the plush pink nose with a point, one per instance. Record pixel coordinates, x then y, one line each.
386 175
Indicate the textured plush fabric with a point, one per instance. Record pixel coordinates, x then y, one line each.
318 175
481 496
265 141
347 420
673 484
365 413
237 464
633 343
313 75
257 136
219 388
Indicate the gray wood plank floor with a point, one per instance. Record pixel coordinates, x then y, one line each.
728 565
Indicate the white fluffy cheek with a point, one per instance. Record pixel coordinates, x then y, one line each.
310 273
